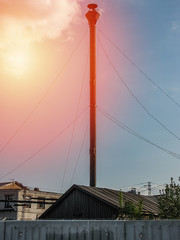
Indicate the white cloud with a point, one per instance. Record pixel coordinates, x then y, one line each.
175 26
175 89
34 20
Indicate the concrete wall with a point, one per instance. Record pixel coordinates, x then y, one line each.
32 213
24 212
8 213
89 230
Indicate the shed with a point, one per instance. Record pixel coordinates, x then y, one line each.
82 202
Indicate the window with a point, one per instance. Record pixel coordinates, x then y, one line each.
41 203
7 203
28 204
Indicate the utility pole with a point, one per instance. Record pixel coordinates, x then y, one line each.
92 16
149 188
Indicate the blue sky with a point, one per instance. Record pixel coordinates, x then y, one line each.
148 32
154 31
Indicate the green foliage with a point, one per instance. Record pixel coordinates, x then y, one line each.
169 202
129 210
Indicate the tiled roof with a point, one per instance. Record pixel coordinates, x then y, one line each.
4 183
12 185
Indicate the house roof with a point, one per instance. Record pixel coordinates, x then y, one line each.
111 197
12 185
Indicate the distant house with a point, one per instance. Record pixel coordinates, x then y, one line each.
82 202
18 202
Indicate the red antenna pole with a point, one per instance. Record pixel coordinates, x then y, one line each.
92 15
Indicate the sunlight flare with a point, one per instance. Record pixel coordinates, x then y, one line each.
17 61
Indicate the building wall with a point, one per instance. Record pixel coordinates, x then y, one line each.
34 210
79 205
29 211
8 212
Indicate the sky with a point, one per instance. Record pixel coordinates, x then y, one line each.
44 98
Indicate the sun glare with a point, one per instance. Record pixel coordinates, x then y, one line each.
17 61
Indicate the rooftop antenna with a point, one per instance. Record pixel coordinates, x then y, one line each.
92 16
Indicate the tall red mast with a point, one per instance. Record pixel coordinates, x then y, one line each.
92 15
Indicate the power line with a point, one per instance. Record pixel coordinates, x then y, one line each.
43 201
127 129
144 186
161 185
137 100
134 185
139 69
77 110
44 146
79 155
157 186
152 187
43 96
137 184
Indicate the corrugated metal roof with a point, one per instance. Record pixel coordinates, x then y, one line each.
111 196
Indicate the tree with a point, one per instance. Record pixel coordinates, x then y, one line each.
169 201
129 210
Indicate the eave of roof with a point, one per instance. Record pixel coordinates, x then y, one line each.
12 185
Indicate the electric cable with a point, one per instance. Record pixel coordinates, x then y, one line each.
79 155
137 184
138 190
152 187
127 129
44 146
123 126
139 69
158 186
43 96
72 135
137 100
